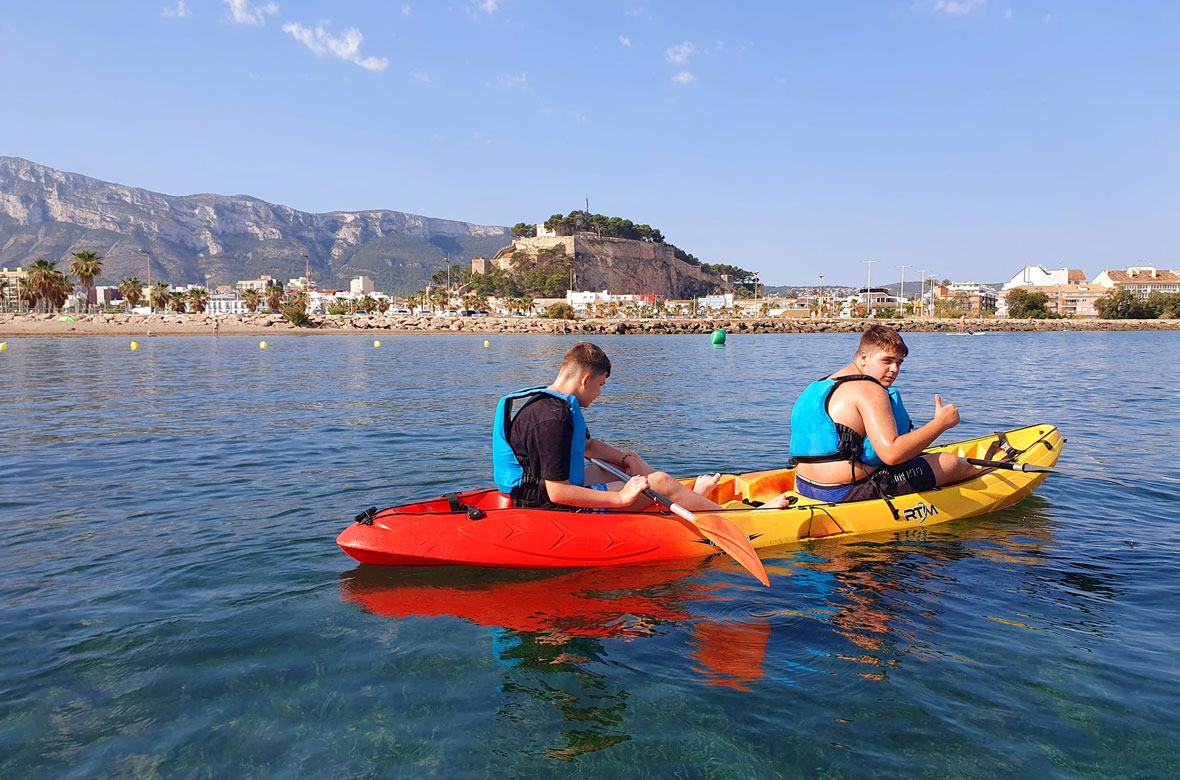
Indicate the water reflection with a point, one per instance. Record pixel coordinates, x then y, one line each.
546 631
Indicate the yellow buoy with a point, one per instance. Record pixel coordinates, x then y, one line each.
376 343
262 345
134 345
487 343
3 346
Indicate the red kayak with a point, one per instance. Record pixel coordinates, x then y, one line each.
481 528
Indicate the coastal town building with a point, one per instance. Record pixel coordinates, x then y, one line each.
221 303
974 298
362 285
260 284
104 295
1143 280
715 302
870 299
10 279
1038 276
1066 300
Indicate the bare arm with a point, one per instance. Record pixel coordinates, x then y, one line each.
881 428
627 460
575 495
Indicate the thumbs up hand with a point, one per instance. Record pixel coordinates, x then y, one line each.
946 416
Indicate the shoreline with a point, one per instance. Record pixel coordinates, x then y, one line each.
37 325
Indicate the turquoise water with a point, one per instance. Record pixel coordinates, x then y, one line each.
173 604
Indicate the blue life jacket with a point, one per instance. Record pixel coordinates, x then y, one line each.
817 438
507 465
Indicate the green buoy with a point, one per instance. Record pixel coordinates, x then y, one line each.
718 336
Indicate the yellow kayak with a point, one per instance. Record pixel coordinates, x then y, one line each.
992 489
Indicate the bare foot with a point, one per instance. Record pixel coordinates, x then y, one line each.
705 484
778 502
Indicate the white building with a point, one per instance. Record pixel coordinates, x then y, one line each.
362 285
225 304
1037 276
583 300
713 302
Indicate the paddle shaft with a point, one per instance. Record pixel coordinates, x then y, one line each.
1003 464
653 495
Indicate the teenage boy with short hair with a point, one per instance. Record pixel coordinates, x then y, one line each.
538 453
852 438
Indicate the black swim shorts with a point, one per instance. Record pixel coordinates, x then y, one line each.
913 476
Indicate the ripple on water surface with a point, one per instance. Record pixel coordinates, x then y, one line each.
173 602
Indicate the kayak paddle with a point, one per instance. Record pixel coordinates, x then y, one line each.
719 530
1003 464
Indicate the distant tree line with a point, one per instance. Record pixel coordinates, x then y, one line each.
584 221
1122 304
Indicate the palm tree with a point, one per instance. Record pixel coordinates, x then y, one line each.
86 266
198 297
383 305
57 290
27 293
4 292
416 300
273 296
132 291
176 300
158 296
40 275
440 298
366 304
252 298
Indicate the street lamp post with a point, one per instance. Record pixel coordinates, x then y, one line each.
151 309
821 296
869 286
901 293
921 305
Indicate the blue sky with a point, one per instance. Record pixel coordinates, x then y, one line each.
961 136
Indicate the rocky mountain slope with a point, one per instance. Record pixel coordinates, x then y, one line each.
218 239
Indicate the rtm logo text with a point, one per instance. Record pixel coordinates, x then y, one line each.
919 512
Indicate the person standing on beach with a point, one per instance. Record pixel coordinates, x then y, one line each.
216 326
851 436
538 453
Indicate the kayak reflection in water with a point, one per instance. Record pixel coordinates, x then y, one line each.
538 452
852 437
550 632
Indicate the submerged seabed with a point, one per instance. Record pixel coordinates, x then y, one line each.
172 602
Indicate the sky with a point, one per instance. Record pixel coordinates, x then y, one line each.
965 137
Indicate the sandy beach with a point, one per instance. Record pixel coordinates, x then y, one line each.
41 325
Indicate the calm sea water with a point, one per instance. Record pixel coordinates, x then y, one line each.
173 604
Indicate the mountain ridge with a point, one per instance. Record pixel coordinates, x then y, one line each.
207 238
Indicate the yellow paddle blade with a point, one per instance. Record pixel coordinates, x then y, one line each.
725 533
